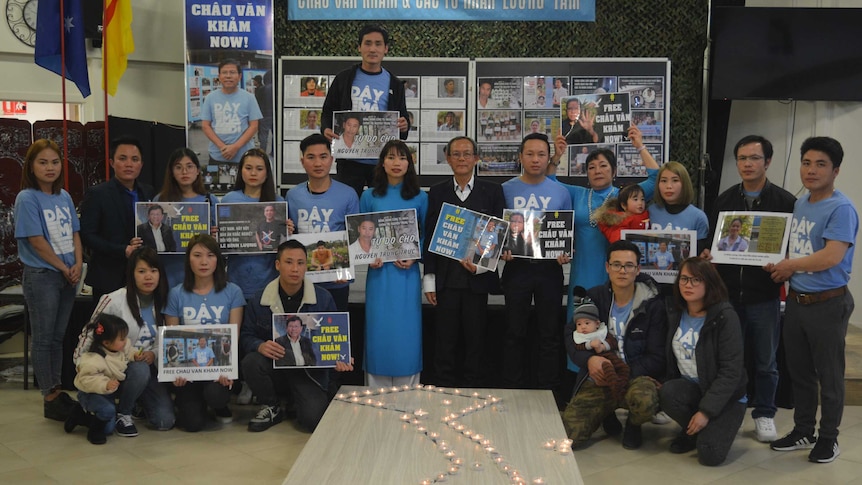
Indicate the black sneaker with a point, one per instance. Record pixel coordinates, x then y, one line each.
223 415
125 426
825 451
794 440
632 436
683 444
267 417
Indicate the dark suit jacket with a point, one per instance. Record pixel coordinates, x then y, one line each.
107 226
145 233
289 359
487 198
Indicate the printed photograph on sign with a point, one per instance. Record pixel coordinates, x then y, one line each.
498 160
327 257
539 234
662 251
251 227
361 134
464 234
751 238
595 118
198 352
311 339
646 92
167 227
500 93
387 235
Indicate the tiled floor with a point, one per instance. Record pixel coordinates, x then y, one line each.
36 450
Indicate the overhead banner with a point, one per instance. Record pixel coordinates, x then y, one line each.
241 96
476 10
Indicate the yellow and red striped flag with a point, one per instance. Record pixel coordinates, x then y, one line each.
119 42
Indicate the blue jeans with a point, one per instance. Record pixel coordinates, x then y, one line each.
760 330
141 384
101 405
49 300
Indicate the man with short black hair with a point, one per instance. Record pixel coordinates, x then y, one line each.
291 292
754 295
155 233
366 86
819 304
230 116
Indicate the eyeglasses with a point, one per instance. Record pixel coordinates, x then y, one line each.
694 280
457 155
627 268
753 158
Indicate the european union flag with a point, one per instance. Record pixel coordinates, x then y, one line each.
48 38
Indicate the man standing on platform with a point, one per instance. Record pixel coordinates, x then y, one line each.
528 280
754 295
230 116
819 305
459 290
289 293
367 86
108 218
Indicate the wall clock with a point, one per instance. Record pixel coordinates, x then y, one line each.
21 17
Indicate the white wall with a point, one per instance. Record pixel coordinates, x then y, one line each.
151 89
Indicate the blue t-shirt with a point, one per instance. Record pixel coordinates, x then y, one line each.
209 309
547 195
663 259
321 212
203 355
690 219
370 92
619 320
229 115
146 334
684 344
250 271
51 216
833 219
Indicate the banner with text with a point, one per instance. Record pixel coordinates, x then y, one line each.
387 235
475 10
251 227
311 339
168 227
198 352
538 234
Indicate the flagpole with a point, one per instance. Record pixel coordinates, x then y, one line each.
63 90
105 88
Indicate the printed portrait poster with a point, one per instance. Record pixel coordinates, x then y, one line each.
608 115
539 234
500 93
662 251
311 339
750 238
167 227
464 234
498 160
198 352
327 257
361 134
388 235
229 29
251 227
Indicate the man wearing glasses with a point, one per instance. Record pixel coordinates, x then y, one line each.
459 290
754 295
634 310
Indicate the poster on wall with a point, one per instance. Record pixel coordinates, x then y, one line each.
229 83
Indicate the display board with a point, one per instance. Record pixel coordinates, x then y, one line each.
496 102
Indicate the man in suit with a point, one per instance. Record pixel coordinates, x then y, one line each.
108 218
297 349
154 233
459 290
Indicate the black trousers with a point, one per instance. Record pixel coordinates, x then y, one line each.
461 322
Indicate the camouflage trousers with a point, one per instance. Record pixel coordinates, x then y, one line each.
592 404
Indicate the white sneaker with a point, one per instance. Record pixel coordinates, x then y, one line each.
661 418
244 396
764 430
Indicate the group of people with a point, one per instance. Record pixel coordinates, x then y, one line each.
632 344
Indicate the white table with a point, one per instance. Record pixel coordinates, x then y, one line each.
359 443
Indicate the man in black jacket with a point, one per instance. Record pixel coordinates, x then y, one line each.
459 289
108 218
754 295
156 225
637 318
365 87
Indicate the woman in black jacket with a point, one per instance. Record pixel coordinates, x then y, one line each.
705 391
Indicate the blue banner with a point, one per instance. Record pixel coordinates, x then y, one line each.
477 10
227 25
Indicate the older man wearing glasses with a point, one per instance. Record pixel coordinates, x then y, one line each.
634 311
